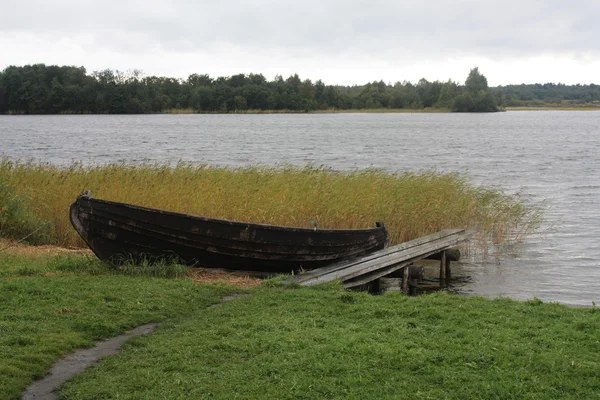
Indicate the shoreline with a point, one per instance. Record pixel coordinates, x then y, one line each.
198 275
335 111
548 108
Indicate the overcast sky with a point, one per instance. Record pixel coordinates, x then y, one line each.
339 41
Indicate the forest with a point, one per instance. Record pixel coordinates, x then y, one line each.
51 89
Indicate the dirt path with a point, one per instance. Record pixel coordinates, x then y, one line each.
77 362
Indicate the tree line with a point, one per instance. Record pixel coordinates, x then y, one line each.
550 94
51 89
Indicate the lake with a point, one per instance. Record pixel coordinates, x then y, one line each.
549 156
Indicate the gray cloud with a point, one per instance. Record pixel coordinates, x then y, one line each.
323 39
475 27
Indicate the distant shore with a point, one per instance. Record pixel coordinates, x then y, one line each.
428 110
385 110
327 111
53 89
188 111
559 108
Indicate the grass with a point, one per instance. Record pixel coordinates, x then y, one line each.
51 305
328 343
410 204
320 342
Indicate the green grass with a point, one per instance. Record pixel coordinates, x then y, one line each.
410 204
320 342
51 306
327 343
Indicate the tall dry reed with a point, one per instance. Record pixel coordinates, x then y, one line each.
410 204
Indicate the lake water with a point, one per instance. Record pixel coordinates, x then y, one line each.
550 156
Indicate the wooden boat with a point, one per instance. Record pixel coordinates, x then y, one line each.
117 232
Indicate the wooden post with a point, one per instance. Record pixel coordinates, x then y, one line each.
375 286
442 270
448 271
405 281
413 287
452 254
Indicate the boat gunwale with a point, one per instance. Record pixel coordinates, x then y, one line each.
230 222
223 249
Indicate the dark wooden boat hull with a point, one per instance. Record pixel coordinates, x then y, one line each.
117 232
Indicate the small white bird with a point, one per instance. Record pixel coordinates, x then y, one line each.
314 223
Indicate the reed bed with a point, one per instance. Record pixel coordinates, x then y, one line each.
178 111
410 204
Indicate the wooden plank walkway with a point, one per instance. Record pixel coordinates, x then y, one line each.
370 267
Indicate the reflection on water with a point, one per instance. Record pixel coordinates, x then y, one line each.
549 156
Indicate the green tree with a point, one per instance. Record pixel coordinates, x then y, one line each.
448 92
307 95
485 102
203 99
476 82
57 97
463 103
196 80
332 97
239 103
477 97
41 88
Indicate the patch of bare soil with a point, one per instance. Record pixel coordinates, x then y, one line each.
201 275
24 250
239 279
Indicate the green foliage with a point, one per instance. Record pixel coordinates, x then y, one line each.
481 102
476 97
485 102
158 268
49 89
463 103
549 94
448 93
307 343
476 82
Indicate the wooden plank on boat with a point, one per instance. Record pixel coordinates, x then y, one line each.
380 263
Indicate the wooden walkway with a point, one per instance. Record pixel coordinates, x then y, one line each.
373 266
